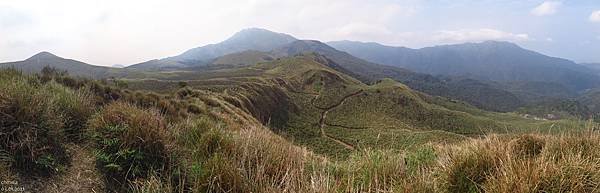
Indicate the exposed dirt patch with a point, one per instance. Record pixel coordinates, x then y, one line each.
80 176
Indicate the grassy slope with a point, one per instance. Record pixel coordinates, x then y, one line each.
384 115
223 149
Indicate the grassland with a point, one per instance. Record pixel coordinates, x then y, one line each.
291 95
280 126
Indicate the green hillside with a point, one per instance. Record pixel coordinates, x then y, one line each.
222 132
244 58
306 100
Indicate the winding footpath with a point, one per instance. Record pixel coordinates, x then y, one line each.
322 123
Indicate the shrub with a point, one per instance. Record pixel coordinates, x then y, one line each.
130 141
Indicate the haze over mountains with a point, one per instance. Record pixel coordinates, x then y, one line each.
36 62
491 75
492 60
247 39
214 112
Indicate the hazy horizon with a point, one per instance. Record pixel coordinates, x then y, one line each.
113 32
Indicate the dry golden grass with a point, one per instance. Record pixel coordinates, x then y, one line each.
526 163
232 153
226 149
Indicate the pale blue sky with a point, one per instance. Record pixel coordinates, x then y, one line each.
106 32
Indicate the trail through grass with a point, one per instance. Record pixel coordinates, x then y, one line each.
324 115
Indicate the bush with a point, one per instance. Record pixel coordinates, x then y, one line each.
131 142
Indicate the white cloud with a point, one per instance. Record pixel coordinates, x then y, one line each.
546 8
359 31
473 35
595 16
110 32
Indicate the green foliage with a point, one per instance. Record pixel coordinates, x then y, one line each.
31 124
76 107
182 84
375 170
420 158
121 84
130 142
558 109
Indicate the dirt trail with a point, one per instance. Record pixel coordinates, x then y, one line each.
324 115
80 176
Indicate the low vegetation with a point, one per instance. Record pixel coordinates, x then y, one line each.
202 140
130 142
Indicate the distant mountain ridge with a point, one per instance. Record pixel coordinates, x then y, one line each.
492 60
38 61
248 39
475 92
476 86
595 66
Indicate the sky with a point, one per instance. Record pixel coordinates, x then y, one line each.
125 32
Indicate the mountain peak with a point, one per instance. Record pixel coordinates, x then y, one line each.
248 39
494 44
356 42
311 43
259 33
254 30
497 42
42 55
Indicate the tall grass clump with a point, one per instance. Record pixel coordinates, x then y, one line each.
131 142
249 160
523 164
567 163
468 167
75 106
372 171
30 125
249 163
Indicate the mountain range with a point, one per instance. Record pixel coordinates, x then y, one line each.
247 39
265 112
491 75
38 61
489 60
